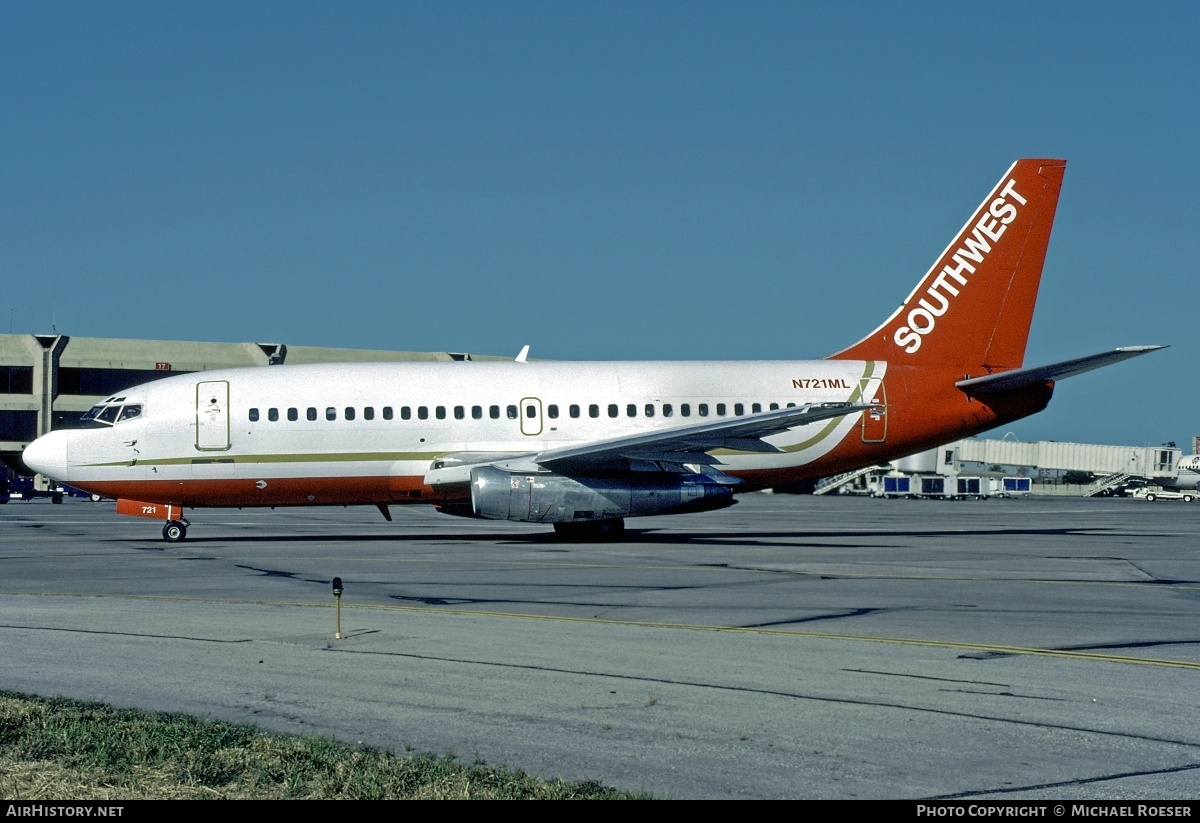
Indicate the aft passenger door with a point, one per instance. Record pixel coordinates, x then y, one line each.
874 421
212 415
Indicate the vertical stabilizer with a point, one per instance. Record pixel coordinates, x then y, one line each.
974 307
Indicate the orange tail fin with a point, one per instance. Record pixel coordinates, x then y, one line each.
974 307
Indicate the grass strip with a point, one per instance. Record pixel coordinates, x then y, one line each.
60 749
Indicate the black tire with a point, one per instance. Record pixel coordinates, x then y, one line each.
1150 498
1187 498
96 498
56 499
174 531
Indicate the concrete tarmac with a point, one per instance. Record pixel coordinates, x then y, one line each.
789 647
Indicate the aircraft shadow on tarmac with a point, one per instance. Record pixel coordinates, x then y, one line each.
766 538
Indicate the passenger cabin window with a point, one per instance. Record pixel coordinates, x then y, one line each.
311 413
387 412
530 411
349 412
440 412
494 412
511 411
254 415
330 413
720 410
685 410
273 415
702 410
631 410
774 407
649 410
593 410
573 410
668 410
739 409
293 414
477 412
613 411
460 413
368 412
422 412
755 408
552 411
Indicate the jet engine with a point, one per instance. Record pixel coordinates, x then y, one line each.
545 497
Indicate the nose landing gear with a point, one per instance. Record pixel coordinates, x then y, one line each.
175 531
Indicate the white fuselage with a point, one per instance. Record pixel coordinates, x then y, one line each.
369 433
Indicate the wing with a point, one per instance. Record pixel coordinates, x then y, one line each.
661 450
690 443
1022 378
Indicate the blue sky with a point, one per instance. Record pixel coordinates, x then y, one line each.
600 180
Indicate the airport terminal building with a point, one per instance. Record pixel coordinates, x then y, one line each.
47 381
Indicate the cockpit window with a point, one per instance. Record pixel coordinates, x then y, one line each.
129 412
108 414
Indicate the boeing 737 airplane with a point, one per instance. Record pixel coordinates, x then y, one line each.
584 445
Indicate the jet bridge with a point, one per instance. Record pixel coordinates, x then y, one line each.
1150 462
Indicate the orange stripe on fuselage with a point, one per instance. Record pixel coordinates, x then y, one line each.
290 491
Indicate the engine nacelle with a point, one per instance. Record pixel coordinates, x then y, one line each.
544 497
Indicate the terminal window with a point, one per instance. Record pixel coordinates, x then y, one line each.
18 425
16 379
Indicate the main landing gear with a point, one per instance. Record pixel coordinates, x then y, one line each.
175 531
591 531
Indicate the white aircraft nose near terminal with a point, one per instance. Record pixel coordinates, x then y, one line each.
48 455
581 446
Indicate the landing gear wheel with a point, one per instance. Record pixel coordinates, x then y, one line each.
174 531
588 532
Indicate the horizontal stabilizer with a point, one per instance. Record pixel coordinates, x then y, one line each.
1023 378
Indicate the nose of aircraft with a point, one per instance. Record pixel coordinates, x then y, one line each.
48 455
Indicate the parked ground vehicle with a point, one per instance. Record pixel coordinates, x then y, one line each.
1152 493
1126 489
